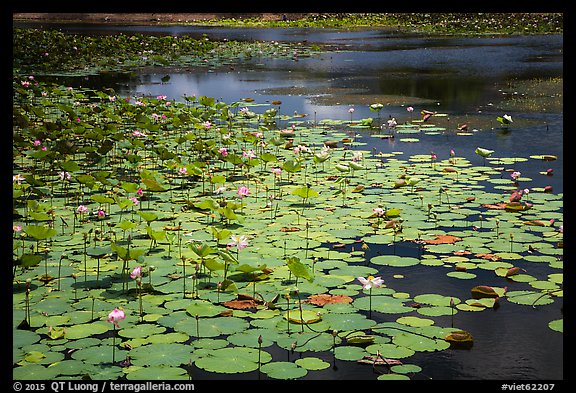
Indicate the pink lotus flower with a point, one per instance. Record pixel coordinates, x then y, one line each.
82 209
515 175
379 212
101 213
249 154
140 192
243 191
410 109
137 272
371 282
135 200
223 151
37 142
277 171
239 242
116 316
183 171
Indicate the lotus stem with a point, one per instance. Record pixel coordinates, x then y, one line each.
114 345
259 353
140 299
27 304
370 303
287 297
184 276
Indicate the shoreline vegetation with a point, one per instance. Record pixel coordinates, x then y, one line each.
437 23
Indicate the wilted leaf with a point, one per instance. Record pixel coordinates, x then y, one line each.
324 298
443 239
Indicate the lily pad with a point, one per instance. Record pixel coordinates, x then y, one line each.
233 360
283 370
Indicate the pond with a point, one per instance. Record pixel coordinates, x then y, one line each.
461 80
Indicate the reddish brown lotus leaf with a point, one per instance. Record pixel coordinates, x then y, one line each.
322 299
513 271
443 239
243 302
240 304
535 222
339 245
462 252
449 169
290 229
482 291
497 206
470 199
490 257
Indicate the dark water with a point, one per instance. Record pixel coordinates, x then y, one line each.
459 76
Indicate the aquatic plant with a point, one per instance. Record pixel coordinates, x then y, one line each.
358 215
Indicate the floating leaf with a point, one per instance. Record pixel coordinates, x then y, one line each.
303 317
460 339
283 370
481 291
323 299
168 354
233 360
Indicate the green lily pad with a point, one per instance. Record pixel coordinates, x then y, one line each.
141 330
233 360
75 332
389 350
557 325
529 298
405 368
33 372
159 373
164 354
312 363
283 370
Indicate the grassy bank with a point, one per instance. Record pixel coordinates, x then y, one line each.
438 23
